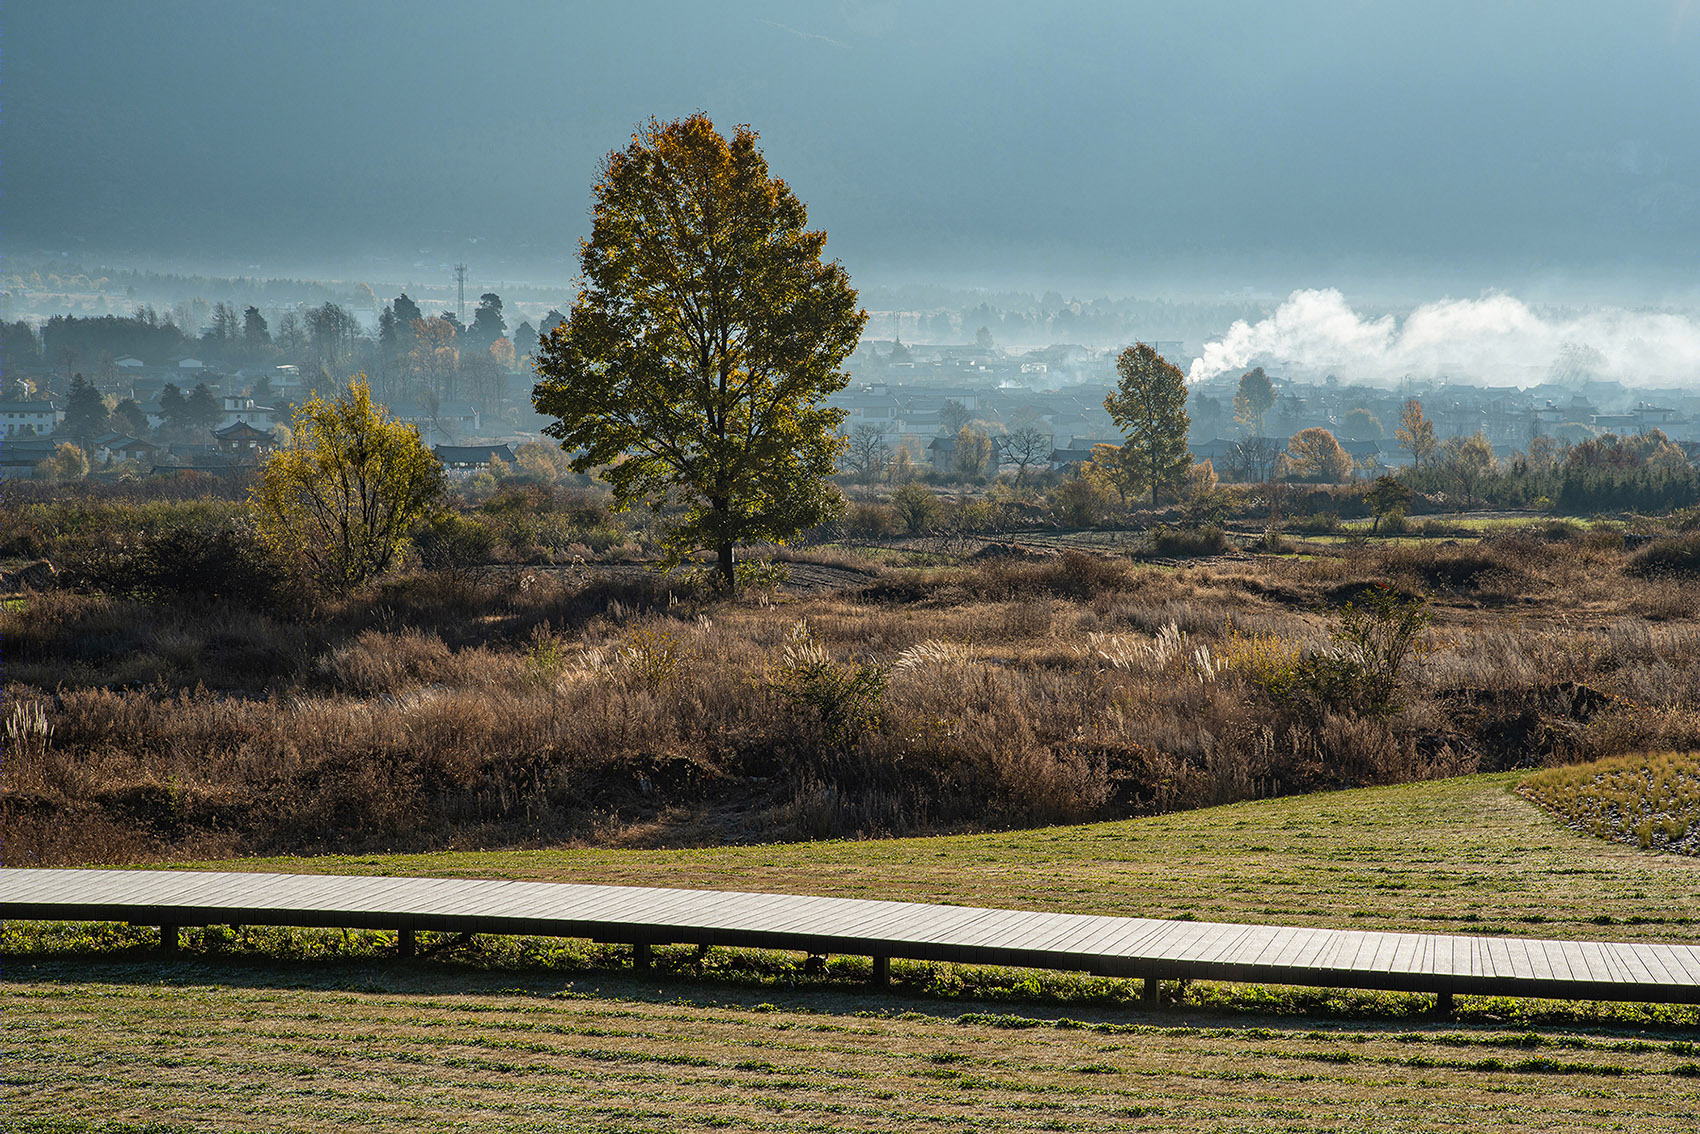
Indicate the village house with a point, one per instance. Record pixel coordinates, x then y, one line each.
465 460
243 443
28 419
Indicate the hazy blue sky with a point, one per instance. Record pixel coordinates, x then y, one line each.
1164 146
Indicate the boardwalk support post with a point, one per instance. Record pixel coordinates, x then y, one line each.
1443 1004
640 955
168 938
882 971
406 942
1153 993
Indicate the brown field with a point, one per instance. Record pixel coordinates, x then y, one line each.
531 706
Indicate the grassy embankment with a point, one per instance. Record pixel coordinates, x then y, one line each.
1464 856
514 1036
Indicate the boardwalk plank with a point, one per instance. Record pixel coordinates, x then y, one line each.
1128 943
1288 954
1681 958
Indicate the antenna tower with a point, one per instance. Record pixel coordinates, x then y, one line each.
460 301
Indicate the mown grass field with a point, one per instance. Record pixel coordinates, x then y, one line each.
112 1038
196 1048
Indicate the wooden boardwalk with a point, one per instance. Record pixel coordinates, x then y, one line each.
1155 950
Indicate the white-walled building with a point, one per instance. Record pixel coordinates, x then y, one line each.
37 418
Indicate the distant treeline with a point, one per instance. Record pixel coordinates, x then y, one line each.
167 289
82 342
1010 317
1644 473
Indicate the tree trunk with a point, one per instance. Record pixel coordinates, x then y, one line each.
727 568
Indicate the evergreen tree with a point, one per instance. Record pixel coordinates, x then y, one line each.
128 417
487 322
18 345
173 406
201 410
85 412
256 336
406 311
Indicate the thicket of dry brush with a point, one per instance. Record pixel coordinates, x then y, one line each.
466 708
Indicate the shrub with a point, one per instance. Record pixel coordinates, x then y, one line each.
1078 503
67 463
837 703
871 521
1381 632
1207 540
1679 555
378 663
454 542
915 507
345 494
651 655
1074 575
227 561
1374 639
1317 523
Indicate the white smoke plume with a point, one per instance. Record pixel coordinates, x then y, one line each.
1497 339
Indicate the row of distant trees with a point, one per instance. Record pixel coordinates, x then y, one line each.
413 355
188 415
1645 471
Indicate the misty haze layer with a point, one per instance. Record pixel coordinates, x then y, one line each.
1393 150
1496 339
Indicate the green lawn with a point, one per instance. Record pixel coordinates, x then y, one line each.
211 1046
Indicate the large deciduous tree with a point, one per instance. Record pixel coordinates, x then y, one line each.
1028 445
868 452
702 342
1149 406
1466 460
332 329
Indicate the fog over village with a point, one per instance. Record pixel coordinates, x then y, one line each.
849 565
1340 212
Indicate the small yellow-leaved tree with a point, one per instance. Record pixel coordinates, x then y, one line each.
348 489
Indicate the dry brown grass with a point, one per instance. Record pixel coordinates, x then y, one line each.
538 706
